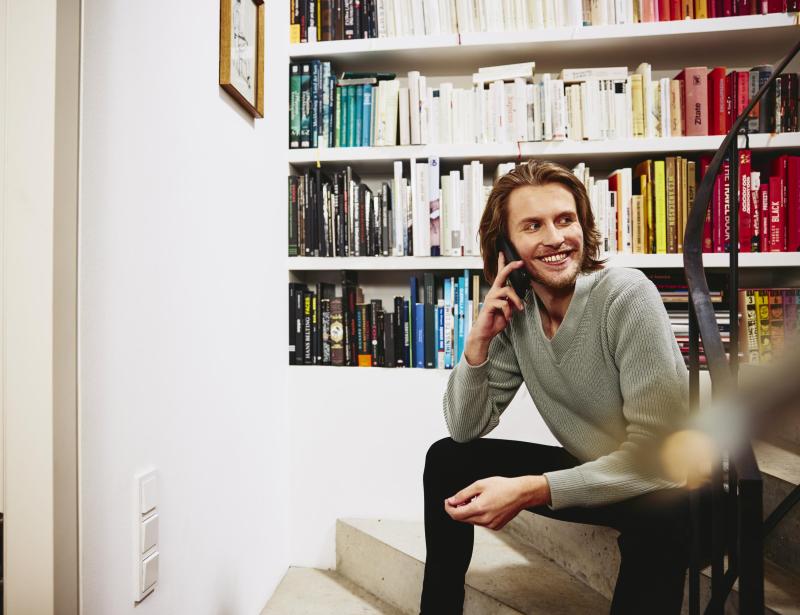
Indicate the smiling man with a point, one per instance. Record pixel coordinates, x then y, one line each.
595 350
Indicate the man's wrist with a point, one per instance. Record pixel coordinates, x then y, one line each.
476 351
535 491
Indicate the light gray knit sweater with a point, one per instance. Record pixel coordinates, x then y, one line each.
611 378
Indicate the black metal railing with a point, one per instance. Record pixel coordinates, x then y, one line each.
737 530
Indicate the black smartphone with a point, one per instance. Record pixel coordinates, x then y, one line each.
520 279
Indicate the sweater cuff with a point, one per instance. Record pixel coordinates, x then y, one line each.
567 488
472 376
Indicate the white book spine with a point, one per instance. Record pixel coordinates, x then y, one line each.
434 205
547 105
530 112
380 10
423 213
444 227
417 16
414 106
446 113
403 112
666 116
538 123
433 108
398 210
536 10
627 217
424 111
379 115
574 13
391 97
416 236
466 211
548 13
520 111
478 202
559 111
389 18
454 217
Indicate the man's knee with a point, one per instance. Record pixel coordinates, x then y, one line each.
441 456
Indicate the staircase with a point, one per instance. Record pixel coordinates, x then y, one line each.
535 565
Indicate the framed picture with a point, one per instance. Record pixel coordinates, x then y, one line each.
241 52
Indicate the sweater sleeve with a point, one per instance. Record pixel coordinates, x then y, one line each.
654 387
477 395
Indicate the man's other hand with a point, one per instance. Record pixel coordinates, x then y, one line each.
493 502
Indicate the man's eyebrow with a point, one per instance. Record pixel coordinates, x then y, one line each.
566 212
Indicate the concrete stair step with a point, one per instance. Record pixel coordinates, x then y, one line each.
307 591
506 576
590 553
779 462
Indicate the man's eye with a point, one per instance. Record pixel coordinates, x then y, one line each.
534 226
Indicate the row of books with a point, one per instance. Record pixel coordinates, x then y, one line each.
423 211
418 213
674 291
326 20
510 104
426 329
768 320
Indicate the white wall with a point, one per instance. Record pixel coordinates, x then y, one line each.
358 444
26 206
182 356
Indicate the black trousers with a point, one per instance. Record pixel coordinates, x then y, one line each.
654 528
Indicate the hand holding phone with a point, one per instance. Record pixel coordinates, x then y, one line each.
520 279
500 304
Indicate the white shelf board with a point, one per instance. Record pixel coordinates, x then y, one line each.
446 263
753 38
609 150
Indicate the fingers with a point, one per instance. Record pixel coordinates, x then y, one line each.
465 495
504 270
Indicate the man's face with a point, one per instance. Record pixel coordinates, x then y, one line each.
543 226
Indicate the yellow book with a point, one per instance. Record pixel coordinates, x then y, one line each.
644 171
762 325
660 194
294 33
672 204
636 224
680 171
700 9
637 100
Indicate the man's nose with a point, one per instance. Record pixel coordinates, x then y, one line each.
553 235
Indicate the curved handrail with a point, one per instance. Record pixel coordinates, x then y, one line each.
693 239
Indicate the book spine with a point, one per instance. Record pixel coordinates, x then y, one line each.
745 204
660 208
419 335
305 105
793 205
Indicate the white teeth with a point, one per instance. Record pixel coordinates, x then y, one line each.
554 258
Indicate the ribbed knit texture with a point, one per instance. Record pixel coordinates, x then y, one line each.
610 380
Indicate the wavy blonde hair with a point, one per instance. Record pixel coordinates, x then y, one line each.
536 173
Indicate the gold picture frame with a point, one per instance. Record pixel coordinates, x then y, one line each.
241 53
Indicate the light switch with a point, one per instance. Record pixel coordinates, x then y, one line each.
149 572
149 533
148 492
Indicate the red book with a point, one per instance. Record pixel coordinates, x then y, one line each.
745 204
716 101
663 9
742 92
708 238
755 207
764 208
730 99
676 10
793 205
721 206
727 8
777 216
695 82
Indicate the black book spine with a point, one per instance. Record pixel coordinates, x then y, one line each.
374 308
292 319
307 217
357 32
389 328
305 105
362 220
302 5
316 354
316 101
379 339
307 332
312 20
299 325
406 335
293 247
429 298
398 332
348 10
338 24
325 329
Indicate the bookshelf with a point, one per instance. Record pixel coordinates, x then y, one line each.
734 42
